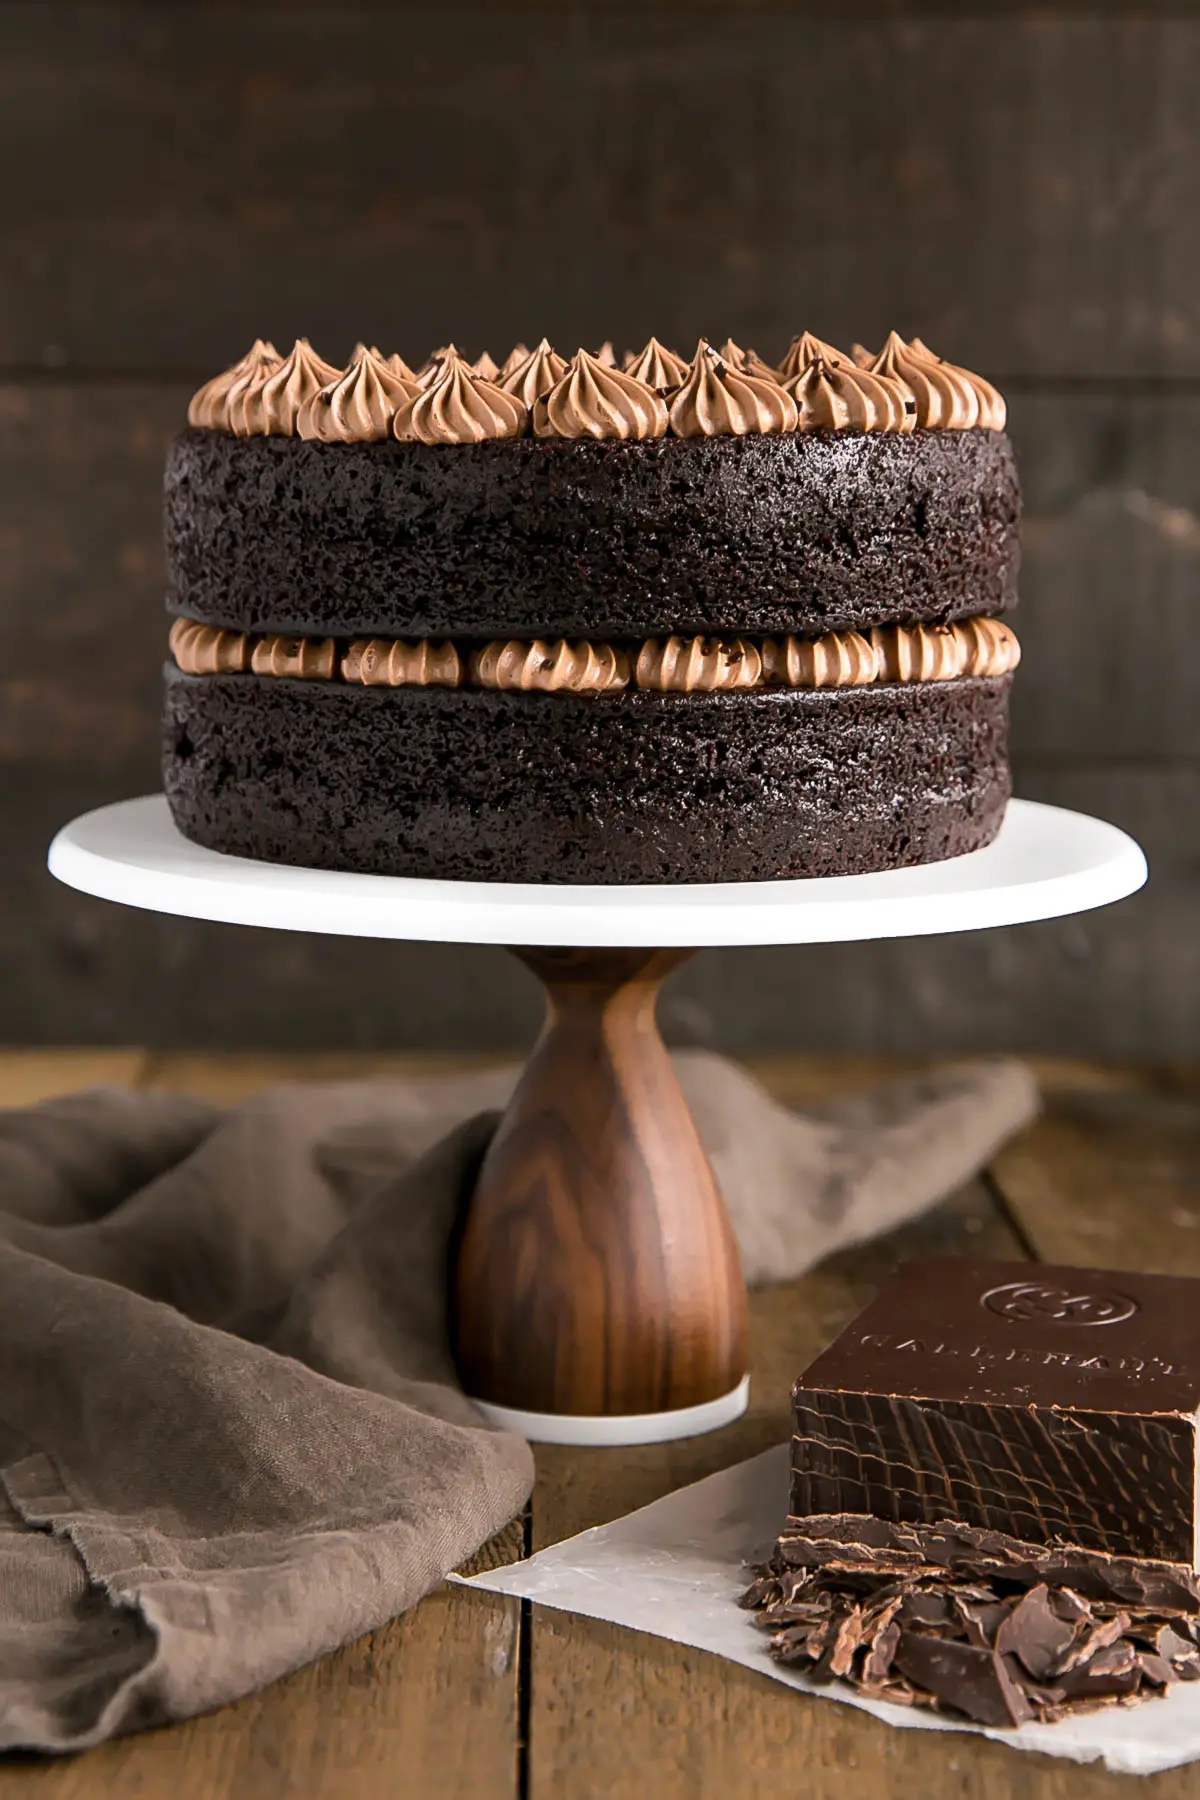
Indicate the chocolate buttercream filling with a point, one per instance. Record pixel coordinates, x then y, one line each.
682 665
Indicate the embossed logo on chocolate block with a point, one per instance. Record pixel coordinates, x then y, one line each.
1025 1302
977 1392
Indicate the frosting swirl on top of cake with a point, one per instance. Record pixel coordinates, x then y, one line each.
941 395
270 403
716 400
458 407
594 400
993 413
838 397
657 366
904 386
534 374
396 364
209 405
807 349
359 407
431 368
516 356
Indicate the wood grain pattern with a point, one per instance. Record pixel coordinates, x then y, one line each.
1110 1180
430 1705
598 1271
82 627
1110 536
175 181
30 1075
384 1716
661 1718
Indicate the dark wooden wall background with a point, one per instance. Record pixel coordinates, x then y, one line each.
1022 189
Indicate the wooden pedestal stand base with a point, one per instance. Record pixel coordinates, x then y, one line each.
598 1276
599 1296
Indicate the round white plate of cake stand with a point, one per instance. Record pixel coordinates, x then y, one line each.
598 1295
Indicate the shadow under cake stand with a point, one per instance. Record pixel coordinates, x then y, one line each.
599 1298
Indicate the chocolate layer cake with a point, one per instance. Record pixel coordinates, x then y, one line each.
567 622
994 1506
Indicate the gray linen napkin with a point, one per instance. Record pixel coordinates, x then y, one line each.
231 1434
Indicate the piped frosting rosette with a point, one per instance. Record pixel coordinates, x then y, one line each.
730 392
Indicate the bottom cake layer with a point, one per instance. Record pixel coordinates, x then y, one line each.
630 787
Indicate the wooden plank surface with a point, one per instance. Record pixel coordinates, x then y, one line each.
1110 1180
33 1074
426 1707
433 1704
81 581
386 1714
1026 215
664 1719
1111 532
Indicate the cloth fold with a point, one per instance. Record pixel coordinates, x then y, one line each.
231 1432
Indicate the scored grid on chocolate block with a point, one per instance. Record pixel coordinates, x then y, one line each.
1051 1404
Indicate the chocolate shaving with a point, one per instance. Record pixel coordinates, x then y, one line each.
963 1678
1092 1642
878 1659
926 1606
973 1623
1167 1642
857 1539
846 1642
1112 1670
981 1621
1035 1635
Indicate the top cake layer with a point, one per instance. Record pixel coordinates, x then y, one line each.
576 499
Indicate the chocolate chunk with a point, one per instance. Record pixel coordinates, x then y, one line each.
981 1618
1035 1635
1169 1643
927 1606
883 1649
1052 1405
924 1550
846 1642
965 1679
1112 1670
994 1495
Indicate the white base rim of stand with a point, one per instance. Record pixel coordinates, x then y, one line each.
621 1428
1045 863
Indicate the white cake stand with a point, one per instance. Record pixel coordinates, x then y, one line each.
599 1297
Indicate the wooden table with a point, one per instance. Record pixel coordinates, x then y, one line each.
478 1695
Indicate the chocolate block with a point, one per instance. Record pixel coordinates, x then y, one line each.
1053 1405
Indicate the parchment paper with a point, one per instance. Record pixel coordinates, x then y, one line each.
675 1569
